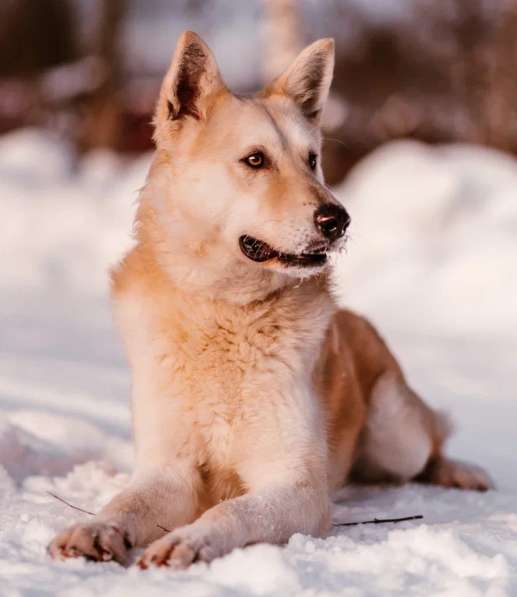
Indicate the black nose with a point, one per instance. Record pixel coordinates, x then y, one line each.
331 220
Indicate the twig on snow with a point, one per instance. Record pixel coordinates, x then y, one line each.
57 497
379 521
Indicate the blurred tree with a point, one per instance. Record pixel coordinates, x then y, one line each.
103 113
439 72
435 70
35 35
500 101
283 36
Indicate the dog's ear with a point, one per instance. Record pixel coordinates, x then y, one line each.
307 81
192 79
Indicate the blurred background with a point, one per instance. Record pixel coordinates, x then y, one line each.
420 139
439 71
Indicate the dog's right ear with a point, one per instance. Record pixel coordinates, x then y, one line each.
192 80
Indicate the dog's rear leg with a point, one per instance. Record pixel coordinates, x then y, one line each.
455 473
403 440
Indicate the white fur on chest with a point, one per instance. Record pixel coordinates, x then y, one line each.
201 385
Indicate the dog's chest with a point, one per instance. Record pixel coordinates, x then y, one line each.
227 372
206 379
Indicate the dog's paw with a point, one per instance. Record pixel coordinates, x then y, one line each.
461 475
97 541
178 550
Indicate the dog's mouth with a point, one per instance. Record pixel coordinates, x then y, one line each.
260 252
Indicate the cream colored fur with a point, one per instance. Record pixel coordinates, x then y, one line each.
253 396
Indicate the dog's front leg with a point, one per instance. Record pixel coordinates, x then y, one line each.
270 515
279 453
154 500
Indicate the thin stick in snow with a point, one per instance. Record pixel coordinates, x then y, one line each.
69 504
57 497
379 521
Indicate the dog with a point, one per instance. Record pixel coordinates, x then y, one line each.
254 397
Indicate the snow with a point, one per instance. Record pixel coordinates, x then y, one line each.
431 260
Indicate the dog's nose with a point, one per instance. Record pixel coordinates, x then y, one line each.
331 220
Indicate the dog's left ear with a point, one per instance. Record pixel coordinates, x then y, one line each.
191 81
307 81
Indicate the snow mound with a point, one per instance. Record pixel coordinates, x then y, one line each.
65 224
34 442
433 238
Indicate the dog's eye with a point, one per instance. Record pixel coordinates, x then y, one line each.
255 160
313 160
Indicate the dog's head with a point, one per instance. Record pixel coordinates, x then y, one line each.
237 181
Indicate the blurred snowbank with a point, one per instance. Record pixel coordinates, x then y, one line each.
64 223
433 238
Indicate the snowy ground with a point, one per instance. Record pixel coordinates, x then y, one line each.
432 260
